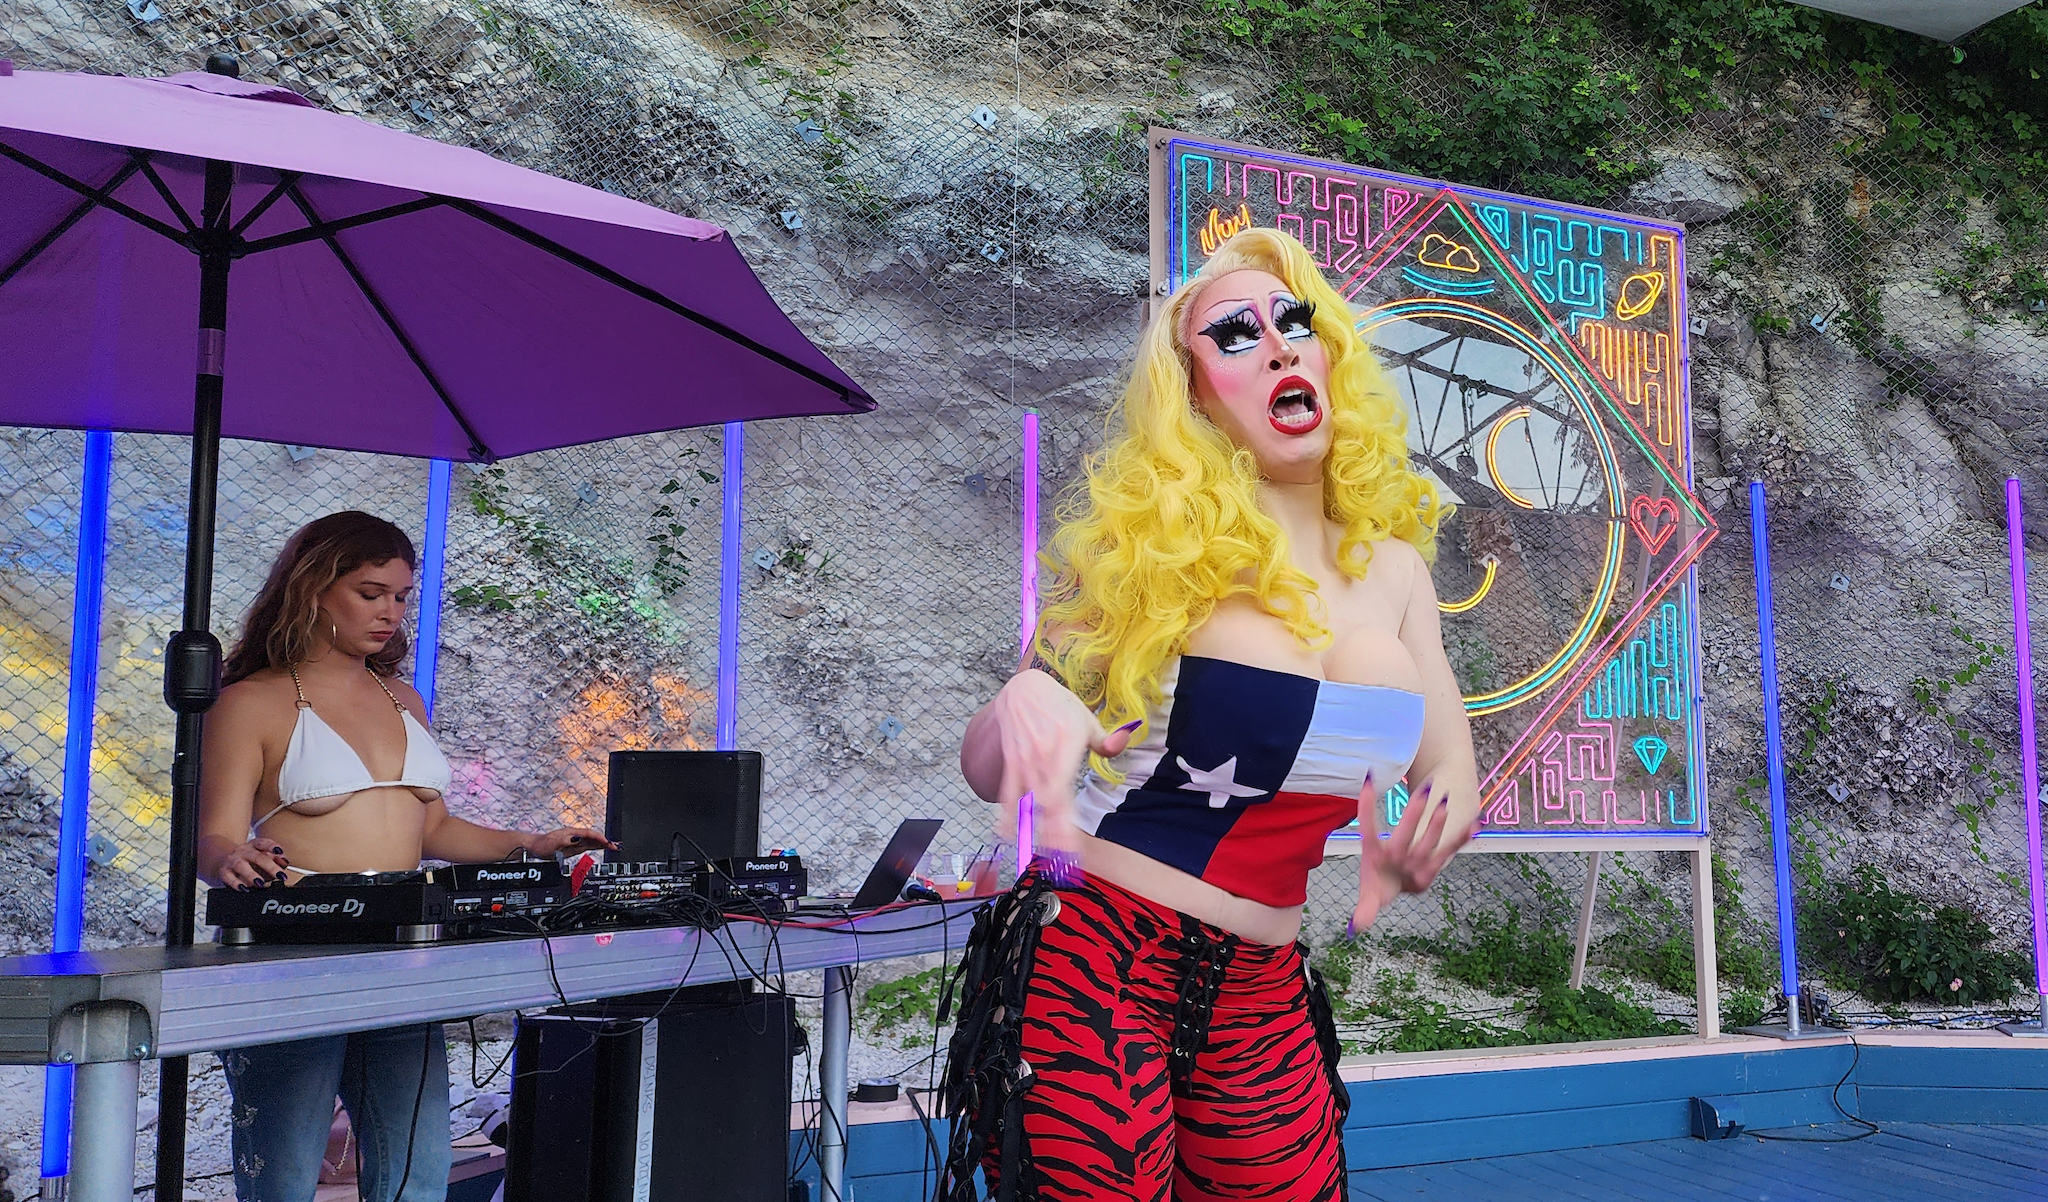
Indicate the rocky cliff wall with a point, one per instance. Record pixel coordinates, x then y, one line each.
951 199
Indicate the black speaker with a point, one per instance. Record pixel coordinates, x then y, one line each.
711 798
674 1105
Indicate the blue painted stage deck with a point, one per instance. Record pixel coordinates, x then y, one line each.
1963 1114
1974 1163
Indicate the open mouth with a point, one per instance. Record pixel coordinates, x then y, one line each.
1294 408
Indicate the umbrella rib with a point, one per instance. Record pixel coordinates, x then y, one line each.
70 219
290 180
477 449
321 231
97 196
645 293
163 189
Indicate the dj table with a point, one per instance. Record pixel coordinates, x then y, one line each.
106 1011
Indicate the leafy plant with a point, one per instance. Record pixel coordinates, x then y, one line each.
1654 937
1894 946
529 40
1550 100
1557 1014
1561 1014
491 497
1499 953
1768 321
909 1001
492 597
1413 1023
1738 957
1741 1009
1978 751
1529 103
671 566
1518 947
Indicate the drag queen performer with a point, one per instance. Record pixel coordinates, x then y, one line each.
1242 601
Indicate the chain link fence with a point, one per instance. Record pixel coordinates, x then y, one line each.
1881 362
951 199
41 472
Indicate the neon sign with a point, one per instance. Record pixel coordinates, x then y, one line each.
1221 229
1541 349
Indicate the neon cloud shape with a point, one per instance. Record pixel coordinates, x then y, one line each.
1442 253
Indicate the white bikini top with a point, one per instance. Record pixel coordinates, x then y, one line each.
319 764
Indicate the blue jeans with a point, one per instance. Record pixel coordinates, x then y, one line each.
390 1081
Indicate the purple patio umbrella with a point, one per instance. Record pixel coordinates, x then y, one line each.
385 293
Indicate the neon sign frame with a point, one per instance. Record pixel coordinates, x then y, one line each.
1597 299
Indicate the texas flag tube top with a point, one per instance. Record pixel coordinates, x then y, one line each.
1244 772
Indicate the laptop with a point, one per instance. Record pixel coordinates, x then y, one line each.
892 869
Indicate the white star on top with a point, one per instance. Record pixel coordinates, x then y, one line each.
1220 782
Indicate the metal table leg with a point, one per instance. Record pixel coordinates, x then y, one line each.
832 1084
103 1131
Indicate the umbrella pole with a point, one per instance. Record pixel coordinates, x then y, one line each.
192 658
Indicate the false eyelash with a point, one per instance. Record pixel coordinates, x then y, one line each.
1234 334
1293 320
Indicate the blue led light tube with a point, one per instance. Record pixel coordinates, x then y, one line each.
426 646
729 588
88 584
1774 749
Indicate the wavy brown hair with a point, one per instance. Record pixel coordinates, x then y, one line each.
280 627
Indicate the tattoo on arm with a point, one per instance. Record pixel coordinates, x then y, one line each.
1044 665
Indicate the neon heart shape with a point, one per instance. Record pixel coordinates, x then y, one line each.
1654 533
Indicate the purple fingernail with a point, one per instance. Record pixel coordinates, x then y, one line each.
1133 724
1351 927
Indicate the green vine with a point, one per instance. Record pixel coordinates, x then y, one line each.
906 1007
1553 100
670 568
528 39
608 590
1980 753
1499 92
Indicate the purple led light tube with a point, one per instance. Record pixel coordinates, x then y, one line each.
1774 755
2030 774
1028 599
731 487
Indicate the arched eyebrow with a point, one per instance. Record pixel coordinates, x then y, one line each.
1241 302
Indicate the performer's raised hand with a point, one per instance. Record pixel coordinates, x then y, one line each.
1405 862
1041 734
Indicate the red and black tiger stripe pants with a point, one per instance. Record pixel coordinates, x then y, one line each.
1170 1060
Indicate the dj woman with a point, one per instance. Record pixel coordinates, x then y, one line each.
1242 601
317 759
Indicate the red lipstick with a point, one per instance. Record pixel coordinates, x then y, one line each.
1304 407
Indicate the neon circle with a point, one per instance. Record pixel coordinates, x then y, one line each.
1518 413
1610 573
1478 594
